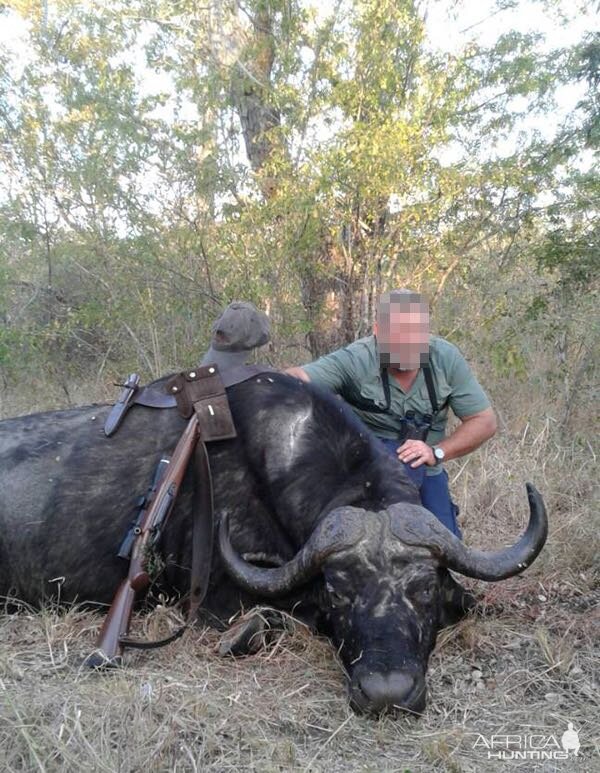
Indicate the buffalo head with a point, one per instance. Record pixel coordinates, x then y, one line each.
382 589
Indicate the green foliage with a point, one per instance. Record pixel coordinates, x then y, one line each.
587 67
161 159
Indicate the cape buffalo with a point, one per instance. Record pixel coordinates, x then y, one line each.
314 514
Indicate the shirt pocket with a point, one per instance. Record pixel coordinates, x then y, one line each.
442 393
372 391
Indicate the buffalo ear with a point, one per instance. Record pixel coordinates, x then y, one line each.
455 600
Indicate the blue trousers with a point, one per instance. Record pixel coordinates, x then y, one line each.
434 491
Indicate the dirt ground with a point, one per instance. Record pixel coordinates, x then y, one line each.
524 663
519 665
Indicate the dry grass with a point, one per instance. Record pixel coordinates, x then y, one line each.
525 662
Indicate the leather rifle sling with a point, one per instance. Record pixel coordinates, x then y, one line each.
140 644
203 530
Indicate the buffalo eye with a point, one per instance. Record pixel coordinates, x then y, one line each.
337 599
423 590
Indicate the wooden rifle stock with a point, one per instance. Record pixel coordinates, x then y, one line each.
112 638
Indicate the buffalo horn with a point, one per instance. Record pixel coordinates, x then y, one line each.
421 528
338 530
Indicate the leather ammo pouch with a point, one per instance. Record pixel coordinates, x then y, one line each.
201 390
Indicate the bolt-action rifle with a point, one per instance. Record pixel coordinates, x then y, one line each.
152 519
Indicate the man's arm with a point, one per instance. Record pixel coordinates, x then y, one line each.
331 371
472 432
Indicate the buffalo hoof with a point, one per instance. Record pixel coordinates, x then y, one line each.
100 661
251 633
375 693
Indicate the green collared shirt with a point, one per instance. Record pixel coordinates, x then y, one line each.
354 373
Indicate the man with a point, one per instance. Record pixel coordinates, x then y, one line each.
384 377
239 330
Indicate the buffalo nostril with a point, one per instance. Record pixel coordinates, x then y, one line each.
375 692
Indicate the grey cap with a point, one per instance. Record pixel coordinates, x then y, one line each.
239 330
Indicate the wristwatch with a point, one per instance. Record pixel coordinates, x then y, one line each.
438 454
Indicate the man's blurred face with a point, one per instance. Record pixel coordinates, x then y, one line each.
402 331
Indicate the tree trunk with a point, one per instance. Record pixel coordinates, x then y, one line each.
251 91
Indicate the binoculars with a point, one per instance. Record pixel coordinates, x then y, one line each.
413 427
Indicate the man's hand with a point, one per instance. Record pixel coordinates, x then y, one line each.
297 372
416 452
